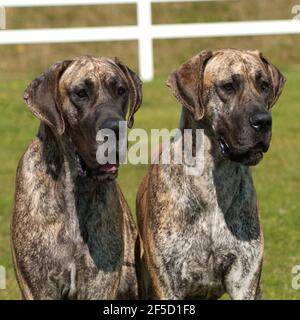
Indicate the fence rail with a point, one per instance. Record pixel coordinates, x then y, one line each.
48 3
145 32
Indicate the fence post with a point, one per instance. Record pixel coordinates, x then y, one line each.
2 18
145 45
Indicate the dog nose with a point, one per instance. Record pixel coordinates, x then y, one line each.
261 121
111 124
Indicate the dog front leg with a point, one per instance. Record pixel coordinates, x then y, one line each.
243 283
65 282
163 282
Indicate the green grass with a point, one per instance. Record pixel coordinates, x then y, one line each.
277 178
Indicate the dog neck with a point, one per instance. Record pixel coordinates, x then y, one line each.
63 160
223 174
59 153
187 121
212 155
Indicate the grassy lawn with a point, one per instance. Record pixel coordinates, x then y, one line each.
277 178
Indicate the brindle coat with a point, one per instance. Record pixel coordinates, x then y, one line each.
201 234
73 234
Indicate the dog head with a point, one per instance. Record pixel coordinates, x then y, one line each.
80 97
232 93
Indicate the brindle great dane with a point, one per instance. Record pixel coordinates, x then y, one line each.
201 234
72 232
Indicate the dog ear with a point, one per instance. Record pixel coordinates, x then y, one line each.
135 90
41 97
186 83
277 78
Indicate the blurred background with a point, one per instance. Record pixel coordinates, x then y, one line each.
277 178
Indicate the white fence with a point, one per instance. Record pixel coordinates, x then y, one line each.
145 32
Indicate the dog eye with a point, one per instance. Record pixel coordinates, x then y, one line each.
81 93
264 86
228 87
121 91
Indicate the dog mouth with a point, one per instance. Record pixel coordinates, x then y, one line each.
106 171
251 157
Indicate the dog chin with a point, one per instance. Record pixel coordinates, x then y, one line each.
105 172
251 158
106 176
96 171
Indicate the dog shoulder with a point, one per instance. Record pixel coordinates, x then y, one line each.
30 157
